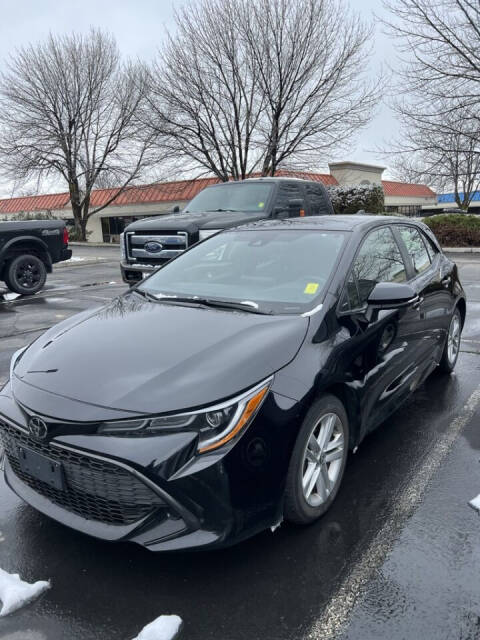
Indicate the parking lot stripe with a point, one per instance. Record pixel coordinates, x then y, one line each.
337 613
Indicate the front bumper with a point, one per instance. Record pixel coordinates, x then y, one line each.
155 490
133 273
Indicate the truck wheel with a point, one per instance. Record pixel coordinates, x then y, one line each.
25 274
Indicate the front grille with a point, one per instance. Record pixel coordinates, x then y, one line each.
94 489
157 246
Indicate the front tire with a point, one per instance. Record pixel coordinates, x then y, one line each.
318 461
452 344
25 274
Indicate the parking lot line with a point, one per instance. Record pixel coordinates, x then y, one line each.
336 614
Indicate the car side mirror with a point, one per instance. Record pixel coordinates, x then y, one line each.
280 212
176 209
392 295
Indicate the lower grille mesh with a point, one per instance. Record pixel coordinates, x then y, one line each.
94 489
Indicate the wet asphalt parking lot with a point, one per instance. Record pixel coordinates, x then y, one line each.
397 556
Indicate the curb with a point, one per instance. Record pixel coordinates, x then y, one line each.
461 249
83 263
75 243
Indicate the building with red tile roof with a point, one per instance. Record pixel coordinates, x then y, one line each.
160 198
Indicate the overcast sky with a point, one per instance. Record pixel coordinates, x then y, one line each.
139 26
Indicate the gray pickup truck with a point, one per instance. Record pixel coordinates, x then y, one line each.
28 249
149 243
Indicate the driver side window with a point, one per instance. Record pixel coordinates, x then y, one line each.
379 260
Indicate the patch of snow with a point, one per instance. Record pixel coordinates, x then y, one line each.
163 628
475 503
15 593
76 259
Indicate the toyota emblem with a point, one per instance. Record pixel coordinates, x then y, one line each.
37 428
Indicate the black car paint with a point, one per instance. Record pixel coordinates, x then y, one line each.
221 497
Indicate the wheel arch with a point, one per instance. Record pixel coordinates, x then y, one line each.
462 307
27 245
350 401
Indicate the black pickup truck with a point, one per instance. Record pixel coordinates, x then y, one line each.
28 249
149 243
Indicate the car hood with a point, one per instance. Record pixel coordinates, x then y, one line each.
145 357
192 222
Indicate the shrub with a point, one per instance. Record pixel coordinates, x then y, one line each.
353 198
456 229
26 216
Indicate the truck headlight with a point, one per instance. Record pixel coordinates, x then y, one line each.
216 426
123 253
206 233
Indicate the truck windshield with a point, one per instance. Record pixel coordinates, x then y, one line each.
270 270
235 196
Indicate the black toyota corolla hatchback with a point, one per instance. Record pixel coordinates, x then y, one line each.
222 394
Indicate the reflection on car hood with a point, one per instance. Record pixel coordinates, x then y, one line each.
192 222
146 357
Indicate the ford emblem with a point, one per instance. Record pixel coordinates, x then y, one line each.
153 247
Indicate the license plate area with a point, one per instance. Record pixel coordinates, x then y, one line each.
41 467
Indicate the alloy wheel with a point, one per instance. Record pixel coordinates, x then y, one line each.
27 273
322 461
453 338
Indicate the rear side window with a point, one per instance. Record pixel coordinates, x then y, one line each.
288 191
416 249
379 260
316 199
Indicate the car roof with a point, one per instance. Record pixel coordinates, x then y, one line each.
328 222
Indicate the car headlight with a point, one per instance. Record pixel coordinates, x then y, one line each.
15 358
206 233
216 425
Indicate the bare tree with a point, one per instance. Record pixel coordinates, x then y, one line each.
69 108
432 150
439 42
246 86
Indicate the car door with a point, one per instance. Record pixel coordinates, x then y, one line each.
429 278
384 365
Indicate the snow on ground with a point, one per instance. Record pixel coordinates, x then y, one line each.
475 503
163 628
14 592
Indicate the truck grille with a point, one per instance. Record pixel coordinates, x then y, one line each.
158 246
94 489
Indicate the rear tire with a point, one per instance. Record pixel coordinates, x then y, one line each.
318 461
452 344
26 274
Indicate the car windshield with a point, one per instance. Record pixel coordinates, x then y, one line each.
265 271
236 196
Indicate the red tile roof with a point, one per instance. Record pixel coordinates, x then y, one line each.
183 190
407 190
34 203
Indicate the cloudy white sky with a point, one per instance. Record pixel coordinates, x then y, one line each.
139 26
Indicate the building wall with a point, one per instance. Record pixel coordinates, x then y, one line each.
355 173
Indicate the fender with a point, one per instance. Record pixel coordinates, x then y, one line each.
39 244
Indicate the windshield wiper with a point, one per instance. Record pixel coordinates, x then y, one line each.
243 305
146 294
223 211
